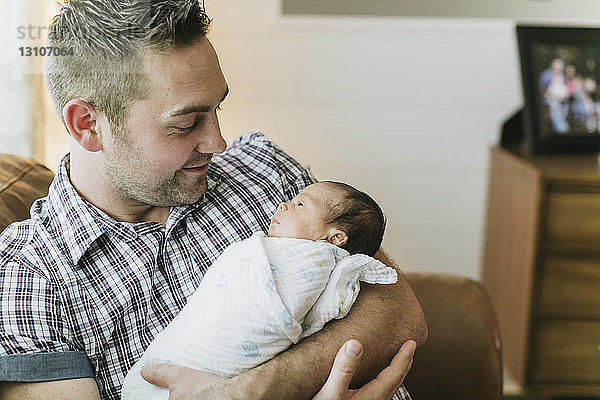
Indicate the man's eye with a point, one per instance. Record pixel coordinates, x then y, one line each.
300 204
189 128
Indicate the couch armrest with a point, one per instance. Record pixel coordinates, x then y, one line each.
462 357
21 182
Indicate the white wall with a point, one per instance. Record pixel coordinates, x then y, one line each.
405 109
15 92
21 112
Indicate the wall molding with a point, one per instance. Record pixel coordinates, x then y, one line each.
519 9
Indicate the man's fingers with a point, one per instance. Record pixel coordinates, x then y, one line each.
167 375
182 382
404 356
344 367
161 374
391 378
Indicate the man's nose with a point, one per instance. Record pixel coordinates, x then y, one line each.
282 207
211 140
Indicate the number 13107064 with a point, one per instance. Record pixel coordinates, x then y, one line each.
45 51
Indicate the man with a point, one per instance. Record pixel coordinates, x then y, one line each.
140 208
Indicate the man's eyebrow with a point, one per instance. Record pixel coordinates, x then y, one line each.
194 108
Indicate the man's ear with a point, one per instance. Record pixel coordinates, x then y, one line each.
337 237
81 119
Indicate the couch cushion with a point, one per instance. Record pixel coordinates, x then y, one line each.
462 358
21 182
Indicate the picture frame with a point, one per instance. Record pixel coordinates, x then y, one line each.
560 69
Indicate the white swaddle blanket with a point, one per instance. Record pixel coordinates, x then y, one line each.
258 298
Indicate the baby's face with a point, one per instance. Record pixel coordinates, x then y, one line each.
304 216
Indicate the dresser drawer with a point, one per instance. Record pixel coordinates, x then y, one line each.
565 351
569 285
573 218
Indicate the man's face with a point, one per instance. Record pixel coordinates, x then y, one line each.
162 157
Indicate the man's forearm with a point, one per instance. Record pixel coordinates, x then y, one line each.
412 324
69 389
383 317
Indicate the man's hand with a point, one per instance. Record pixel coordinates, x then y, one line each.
190 384
183 383
381 388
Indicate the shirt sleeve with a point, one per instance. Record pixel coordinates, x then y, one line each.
35 344
255 151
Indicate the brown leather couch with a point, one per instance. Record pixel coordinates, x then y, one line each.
462 357
21 182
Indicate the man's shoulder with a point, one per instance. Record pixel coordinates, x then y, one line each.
254 138
26 243
256 152
255 147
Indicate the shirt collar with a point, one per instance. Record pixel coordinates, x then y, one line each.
76 220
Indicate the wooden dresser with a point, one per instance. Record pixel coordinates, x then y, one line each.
542 268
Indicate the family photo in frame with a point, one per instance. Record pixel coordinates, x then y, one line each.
561 74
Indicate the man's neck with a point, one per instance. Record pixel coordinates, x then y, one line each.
97 191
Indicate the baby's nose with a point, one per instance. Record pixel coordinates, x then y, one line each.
282 207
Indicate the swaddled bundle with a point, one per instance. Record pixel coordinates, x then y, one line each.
258 298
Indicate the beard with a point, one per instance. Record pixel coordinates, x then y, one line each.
129 171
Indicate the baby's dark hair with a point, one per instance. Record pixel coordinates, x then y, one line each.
357 214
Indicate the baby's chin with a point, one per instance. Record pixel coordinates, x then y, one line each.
276 231
272 232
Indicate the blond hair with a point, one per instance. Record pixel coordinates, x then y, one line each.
109 39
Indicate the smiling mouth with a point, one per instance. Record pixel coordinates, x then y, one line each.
197 170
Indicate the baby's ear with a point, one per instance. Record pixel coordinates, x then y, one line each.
337 237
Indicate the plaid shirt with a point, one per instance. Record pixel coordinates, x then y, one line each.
82 295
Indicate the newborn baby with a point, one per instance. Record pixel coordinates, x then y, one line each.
265 293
